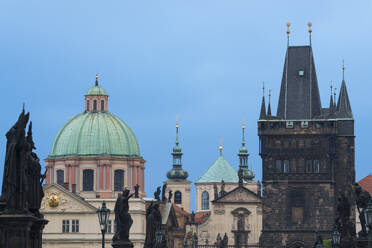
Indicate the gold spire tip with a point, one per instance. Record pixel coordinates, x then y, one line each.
220 144
97 76
243 126
177 121
288 24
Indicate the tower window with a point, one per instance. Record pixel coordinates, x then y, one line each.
178 197
309 166
95 105
205 200
278 166
316 166
102 105
301 73
286 166
60 176
88 105
88 180
118 180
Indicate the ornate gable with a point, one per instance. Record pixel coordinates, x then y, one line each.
58 200
239 195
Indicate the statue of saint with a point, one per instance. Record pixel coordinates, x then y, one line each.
170 194
122 217
15 181
163 197
153 224
157 193
136 189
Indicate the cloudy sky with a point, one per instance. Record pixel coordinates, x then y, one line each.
203 60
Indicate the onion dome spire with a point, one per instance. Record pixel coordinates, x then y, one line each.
177 173
263 105
243 154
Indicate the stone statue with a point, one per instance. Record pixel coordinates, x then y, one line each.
136 189
123 221
35 179
170 194
192 215
22 190
14 178
222 192
215 191
218 240
157 193
21 195
240 175
225 241
163 197
153 224
362 198
343 222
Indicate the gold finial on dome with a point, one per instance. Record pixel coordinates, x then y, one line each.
220 148
243 126
177 125
97 79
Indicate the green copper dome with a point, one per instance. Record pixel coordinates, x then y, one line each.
96 90
92 134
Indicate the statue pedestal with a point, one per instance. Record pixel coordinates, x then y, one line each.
122 244
21 231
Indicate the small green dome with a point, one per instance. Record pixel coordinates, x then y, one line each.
96 90
92 134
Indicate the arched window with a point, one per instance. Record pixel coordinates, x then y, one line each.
178 197
119 180
88 180
95 105
88 105
60 176
102 105
205 200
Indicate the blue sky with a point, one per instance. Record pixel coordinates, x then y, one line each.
203 60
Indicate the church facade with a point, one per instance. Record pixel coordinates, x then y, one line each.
95 155
307 156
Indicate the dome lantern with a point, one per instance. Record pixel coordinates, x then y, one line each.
96 99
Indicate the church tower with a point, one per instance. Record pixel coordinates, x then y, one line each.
307 156
177 178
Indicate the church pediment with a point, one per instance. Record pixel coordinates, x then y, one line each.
58 199
239 195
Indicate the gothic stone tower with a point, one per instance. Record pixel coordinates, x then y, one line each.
307 156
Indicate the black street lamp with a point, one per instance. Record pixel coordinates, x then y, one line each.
336 237
103 218
368 219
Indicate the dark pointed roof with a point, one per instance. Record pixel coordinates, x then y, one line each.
269 109
343 104
299 93
263 109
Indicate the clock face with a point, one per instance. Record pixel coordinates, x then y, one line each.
53 201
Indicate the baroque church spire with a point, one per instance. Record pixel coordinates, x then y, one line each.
177 173
243 154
